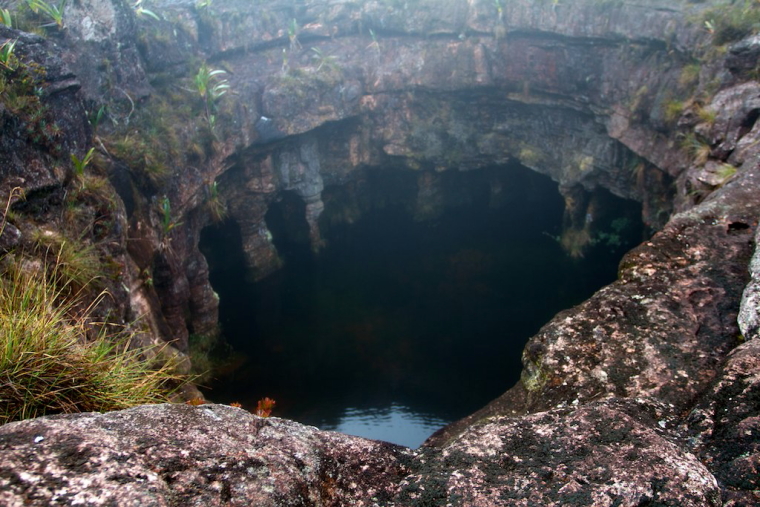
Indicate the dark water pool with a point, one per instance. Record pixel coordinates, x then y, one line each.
400 327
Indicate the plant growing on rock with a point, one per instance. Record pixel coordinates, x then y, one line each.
211 88
52 11
323 60
74 263
168 224
293 35
47 366
97 118
7 58
6 18
141 11
699 149
724 173
706 115
732 21
81 164
374 44
214 204
264 407
673 110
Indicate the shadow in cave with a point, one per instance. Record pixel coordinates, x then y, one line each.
400 317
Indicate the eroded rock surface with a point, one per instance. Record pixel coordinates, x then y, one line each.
182 455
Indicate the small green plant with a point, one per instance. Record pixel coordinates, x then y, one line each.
732 21
7 58
97 118
614 237
374 44
141 11
147 277
6 18
52 11
168 224
211 88
689 75
76 264
293 35
81 164
214 204
323 60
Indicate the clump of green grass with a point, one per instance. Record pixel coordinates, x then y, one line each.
706 115
74 263
48 367
689 76
215 205
696 147
725 172
732 21
53 12
672 110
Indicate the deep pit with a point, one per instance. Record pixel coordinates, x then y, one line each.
400 326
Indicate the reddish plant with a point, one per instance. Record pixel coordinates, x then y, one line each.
264 407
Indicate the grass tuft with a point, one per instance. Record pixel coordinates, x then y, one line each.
48 367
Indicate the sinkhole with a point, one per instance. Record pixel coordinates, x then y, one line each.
416 312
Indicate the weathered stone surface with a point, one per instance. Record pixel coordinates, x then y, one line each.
603 454
749 312
724 427
27 152
182 455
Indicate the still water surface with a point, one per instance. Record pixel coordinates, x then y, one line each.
400 327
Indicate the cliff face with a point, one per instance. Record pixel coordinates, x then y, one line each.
633 97
320 93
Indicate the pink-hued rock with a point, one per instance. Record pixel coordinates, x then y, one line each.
181 455
602 454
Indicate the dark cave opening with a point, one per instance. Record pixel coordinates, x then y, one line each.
415 314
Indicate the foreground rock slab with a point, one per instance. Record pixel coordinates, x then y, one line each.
182 455
608 453
612 452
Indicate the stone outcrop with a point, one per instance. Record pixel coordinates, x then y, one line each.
646 394
184 455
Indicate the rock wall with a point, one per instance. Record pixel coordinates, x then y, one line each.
644 394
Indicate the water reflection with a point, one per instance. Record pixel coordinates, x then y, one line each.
397 424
